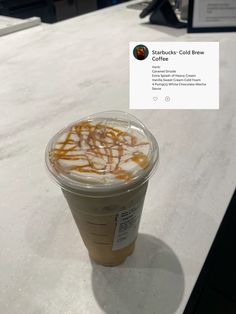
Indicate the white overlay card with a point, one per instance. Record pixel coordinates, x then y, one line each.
174 75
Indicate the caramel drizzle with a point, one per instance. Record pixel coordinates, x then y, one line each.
100 140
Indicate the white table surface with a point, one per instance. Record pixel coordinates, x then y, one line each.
52 75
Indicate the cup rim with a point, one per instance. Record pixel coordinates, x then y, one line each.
81 188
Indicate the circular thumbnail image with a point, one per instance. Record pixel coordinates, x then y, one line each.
140 52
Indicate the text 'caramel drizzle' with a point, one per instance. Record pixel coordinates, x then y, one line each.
100 141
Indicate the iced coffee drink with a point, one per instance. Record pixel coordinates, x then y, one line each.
103 163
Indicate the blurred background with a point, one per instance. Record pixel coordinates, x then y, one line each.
51 11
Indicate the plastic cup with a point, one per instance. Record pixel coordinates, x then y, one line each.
103 163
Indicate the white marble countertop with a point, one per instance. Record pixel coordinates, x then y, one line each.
54 74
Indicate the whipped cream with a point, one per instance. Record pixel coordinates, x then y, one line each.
100 151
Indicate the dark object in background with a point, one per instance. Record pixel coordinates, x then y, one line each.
51 11
215 289
162 13
103 3
227 19
44 9
106 3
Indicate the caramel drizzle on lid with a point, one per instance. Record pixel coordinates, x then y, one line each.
100 140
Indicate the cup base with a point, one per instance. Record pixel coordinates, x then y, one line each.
115 260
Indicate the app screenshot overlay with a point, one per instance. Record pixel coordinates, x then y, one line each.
174 75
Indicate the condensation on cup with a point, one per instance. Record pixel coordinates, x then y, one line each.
102 164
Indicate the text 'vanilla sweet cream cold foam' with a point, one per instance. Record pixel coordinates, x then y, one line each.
102 163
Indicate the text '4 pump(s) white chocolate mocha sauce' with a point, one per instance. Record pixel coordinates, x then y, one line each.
108 150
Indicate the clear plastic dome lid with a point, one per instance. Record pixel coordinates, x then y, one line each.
106 152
